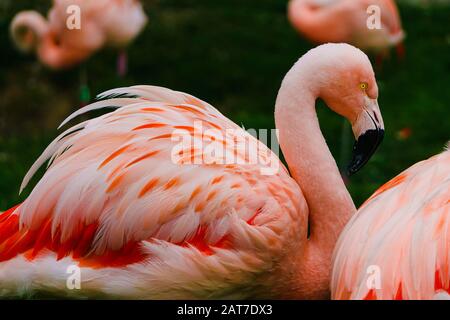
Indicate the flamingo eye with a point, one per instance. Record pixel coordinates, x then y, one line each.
363 85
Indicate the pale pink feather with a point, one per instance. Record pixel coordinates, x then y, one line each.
403 230
115 172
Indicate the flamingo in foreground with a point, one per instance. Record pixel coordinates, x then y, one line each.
323 21
140 224
102 23
397 246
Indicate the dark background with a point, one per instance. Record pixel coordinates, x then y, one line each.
233 54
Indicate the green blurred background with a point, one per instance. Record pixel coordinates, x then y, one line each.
233 54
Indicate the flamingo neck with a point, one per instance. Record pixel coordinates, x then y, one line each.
314 169
27 30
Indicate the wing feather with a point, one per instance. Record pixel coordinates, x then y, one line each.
112 182
402 231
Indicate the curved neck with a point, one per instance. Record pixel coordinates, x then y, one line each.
314 169
27 29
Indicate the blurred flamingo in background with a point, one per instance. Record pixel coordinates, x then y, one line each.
112 23
323 21
397 246
145 216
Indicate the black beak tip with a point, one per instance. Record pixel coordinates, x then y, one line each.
353 168
364 148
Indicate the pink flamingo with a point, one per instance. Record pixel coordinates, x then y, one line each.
146 217
397 246
102 23
324 21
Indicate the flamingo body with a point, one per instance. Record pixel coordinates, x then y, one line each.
102 23
346 21
403 231
139 200
115 204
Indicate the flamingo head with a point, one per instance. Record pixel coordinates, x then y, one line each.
348 87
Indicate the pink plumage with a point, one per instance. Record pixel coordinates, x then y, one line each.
112 23
402 233
323 21
144 216
123 189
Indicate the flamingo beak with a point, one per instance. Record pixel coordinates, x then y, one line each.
369 132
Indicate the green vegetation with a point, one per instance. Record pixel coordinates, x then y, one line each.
232 54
